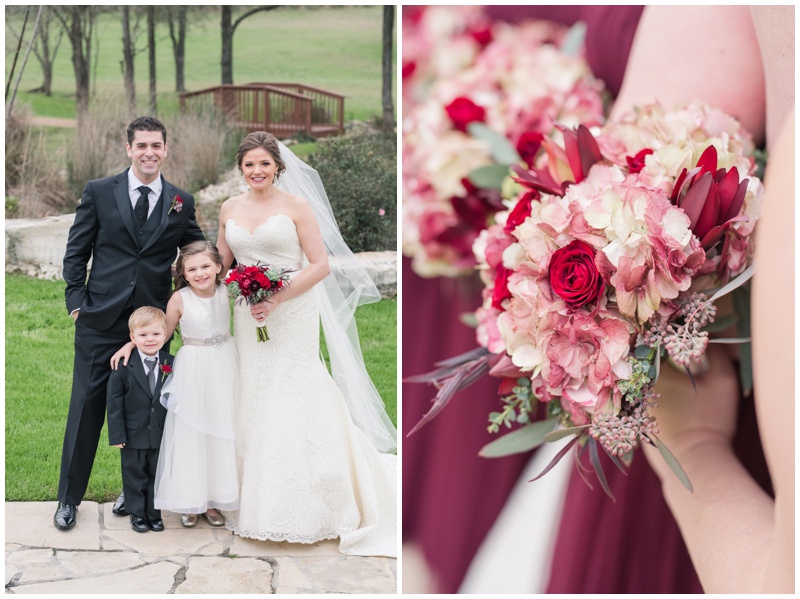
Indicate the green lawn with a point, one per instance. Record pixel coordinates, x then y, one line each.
39 354
335 48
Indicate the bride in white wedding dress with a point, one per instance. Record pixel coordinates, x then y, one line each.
315 449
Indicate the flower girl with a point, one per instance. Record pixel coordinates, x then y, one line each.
197 471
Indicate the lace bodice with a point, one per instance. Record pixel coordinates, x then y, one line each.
205 317
281 246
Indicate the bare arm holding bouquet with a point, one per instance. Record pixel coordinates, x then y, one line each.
740 539
308 232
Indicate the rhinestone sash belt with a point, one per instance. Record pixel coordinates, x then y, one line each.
215 340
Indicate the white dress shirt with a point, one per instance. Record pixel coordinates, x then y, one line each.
144 357
133 191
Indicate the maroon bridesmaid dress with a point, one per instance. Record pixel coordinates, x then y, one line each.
451 496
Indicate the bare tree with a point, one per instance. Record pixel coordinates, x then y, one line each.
151 45
176 19
228 29
25 60
78 23
388 38
45 48
128 52
16 54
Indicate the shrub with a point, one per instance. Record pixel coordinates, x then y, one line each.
202 145
98 147
35 185
359 171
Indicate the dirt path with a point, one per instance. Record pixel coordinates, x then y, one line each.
52 122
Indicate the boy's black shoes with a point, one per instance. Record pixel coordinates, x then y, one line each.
65 516
139 524
156 525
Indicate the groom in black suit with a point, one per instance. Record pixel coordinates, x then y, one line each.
130 226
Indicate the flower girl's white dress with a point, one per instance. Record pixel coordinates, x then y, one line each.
197 462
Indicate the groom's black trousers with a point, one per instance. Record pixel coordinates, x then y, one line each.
87 405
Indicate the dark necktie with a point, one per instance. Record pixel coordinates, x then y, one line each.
142 204
151 375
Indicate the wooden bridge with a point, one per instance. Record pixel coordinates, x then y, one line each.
283 109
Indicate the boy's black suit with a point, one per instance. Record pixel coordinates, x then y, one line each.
136 418
131 268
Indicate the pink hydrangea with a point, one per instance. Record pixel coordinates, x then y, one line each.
513 78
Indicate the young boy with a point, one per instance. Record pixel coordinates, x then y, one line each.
136 416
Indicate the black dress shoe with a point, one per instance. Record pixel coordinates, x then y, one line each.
139 524
65 517
156 525
119 505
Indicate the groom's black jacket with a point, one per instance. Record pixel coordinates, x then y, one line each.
127 263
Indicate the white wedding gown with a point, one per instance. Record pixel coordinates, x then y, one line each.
307 471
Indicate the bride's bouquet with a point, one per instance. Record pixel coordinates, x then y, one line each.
254 284
481 94
608 259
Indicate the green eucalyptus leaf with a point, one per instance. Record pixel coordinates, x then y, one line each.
627 458
729 340
737 282
519 441
489 177
469 319
564 432
641 351
502 149
657 364
574 39
741 303
672 462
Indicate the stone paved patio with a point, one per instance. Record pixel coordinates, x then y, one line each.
103 555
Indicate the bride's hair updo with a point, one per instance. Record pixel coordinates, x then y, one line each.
192 249
265 141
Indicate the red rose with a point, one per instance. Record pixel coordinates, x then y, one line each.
166 370
528 146
636 164
482 36
463 111
501 291
521 211
574 276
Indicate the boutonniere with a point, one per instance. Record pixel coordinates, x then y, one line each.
166 370
177 205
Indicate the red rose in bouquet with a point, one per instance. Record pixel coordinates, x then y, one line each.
255 284
574 276
463 111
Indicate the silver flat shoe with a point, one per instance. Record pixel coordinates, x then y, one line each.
215 519
188 520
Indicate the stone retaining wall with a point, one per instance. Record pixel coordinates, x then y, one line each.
35 247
